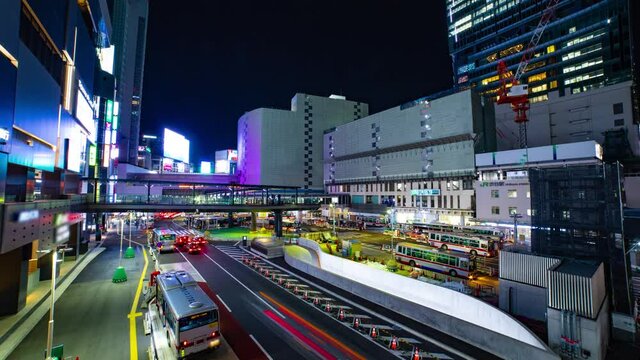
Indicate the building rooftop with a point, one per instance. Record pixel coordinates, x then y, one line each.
577 267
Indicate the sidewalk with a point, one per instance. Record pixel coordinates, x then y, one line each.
14 328
91 315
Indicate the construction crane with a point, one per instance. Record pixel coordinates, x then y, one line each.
511 91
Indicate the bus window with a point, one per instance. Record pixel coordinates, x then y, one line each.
433 236
464 264
474 243
198 320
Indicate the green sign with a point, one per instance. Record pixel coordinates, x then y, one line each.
109 111
425 192
93 155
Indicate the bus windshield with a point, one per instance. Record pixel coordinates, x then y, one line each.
198 320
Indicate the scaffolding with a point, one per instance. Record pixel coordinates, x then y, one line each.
577 213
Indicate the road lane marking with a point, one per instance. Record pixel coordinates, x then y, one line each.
223 303
133 338
261 348
238 281
314 329
305 340
367 310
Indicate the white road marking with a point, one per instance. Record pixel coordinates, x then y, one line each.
223 303
261 348
381 317
244 286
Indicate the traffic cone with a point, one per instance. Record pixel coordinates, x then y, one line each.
356 322
416 354
374 332
327 307
341 315
393 345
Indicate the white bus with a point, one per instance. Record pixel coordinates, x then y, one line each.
459 242
427 258
189 316
164 239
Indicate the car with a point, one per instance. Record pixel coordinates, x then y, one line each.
182 240
194 247
200 240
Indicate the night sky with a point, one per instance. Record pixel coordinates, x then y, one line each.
208 62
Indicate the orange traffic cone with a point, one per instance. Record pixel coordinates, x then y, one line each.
341 315
374 332
356 322
393 345
416 354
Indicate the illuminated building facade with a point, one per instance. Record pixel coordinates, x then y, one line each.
586 46
49 100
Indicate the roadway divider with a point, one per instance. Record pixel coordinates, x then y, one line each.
451 312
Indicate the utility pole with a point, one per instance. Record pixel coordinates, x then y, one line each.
54 263
515 217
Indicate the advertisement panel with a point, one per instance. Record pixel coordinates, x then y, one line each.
222 167
167 164
176 146
205 167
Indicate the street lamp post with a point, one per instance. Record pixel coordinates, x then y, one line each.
390 213
515 217
54 263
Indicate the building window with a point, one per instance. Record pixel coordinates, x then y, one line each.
495 194
495 210
512 193
566 214
618 122
528 212
528 194
513 210
581 195
618 109
467 185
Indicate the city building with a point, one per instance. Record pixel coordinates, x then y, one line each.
226 161
284 147
416 159
578 214
129 40
502 188
48 134
584 50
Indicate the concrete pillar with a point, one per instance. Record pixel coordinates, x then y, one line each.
44 264
278 222
14 267
299 216
83 241
230 219
254 222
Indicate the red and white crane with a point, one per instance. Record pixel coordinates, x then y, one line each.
518 94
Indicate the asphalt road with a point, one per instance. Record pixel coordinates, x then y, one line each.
91 316
243 291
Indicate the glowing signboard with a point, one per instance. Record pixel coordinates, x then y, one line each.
425 192
176 146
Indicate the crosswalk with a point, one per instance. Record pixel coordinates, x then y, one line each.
187 232
233 252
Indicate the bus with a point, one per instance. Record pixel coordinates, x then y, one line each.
478 231
189 316
427 258
460 242
164 239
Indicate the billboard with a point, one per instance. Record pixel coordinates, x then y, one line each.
176 146
222 167
205 167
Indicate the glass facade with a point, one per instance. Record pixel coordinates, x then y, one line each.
586 45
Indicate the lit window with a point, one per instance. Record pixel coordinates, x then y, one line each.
566 214
551 48
528 194
513 210
553 84
512 193
528 212
537 77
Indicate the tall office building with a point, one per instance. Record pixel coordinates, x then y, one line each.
48 134
584 50
284 147
129 38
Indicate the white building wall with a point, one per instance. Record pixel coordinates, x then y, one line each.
485 200
571 118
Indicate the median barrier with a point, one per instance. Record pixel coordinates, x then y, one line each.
449 311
